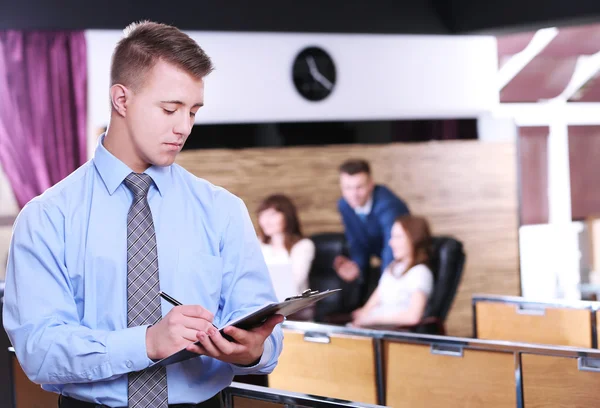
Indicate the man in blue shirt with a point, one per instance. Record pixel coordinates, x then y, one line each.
89 256
368 213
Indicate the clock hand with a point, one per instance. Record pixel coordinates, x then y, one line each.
312 66
323 81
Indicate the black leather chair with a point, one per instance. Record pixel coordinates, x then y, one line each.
323 276
447 265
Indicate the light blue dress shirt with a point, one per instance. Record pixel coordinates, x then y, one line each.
65 302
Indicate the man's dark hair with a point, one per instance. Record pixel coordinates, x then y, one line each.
355 166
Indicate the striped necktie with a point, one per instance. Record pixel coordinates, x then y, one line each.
147 388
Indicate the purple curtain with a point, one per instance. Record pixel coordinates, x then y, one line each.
43 108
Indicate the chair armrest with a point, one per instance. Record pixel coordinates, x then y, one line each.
338 319
429 325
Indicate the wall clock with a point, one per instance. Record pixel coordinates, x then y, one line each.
314 73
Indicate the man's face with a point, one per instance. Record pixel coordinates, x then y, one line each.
356 189
160 114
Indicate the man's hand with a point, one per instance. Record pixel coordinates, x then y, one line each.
362 320
346 269
357 313
176 330
247 348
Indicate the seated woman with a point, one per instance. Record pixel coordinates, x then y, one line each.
288 254
405 285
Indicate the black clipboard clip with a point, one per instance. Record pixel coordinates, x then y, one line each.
304 294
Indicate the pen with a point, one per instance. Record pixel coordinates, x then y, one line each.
169 299
174 302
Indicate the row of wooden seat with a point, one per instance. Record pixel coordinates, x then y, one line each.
404 369
411 370
26 394
518 319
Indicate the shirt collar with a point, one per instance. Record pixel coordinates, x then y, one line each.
113 171
365 209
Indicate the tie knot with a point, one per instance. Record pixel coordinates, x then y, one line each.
139 184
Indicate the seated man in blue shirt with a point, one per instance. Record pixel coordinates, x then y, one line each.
368 213
89 256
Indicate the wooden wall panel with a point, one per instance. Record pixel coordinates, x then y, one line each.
244 402
556 326
417 377
584 150
466 188
344 368
533 173
557 382
27 393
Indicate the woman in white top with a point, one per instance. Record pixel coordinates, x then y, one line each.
405 285
288 254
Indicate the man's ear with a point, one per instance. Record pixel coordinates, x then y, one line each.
371 182
119 96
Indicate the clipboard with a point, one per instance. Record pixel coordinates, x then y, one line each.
257 317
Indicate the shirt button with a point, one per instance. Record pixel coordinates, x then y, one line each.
129 364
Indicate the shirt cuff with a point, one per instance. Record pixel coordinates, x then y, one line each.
264 359
127 350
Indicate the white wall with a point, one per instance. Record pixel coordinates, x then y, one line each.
491 128
8 202
545 277
378 76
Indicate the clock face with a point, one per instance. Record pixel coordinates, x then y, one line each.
314 74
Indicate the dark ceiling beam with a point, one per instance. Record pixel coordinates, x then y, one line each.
327 16
505 16
308 16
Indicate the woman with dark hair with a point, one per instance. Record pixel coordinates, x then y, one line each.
287 253
406 284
